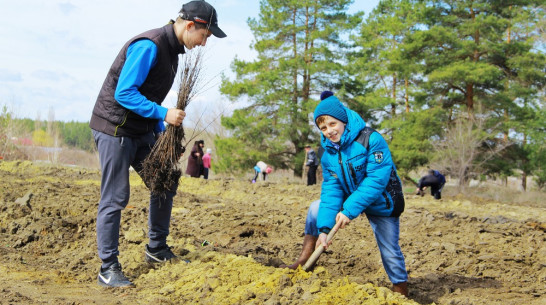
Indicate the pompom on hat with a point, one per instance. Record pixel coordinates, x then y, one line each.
330 105
325 94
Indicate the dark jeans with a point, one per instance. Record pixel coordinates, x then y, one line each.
257 174
387 233
435 189
205 173
312 175
117 155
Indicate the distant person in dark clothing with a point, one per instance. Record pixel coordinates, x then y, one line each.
195 160
435 181
312 163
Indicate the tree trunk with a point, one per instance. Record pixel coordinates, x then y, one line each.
304 169
470 97
406 94
393 105
523 167
463 179
475 58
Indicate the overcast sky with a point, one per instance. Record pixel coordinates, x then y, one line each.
55 54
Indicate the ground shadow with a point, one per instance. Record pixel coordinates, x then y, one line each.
431 287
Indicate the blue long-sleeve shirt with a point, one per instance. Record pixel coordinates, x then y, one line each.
140 59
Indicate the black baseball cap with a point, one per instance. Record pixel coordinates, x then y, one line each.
202 12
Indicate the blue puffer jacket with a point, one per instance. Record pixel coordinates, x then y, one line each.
356 180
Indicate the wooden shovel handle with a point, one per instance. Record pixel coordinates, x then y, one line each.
318 251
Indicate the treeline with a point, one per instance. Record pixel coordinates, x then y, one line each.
458 85
38 132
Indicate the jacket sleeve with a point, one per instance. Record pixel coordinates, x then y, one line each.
141 57
159 127
331 199
378 170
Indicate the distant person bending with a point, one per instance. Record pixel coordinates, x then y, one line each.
435 180
206 163
261 167
128 117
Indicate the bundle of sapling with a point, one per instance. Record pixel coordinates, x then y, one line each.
161 170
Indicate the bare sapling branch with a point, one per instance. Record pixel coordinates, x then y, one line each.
161 170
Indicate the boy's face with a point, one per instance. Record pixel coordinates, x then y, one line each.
332 128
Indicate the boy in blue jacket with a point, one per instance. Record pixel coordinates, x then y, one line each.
359 178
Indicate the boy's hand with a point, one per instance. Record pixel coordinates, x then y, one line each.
342 219
322 241
175 116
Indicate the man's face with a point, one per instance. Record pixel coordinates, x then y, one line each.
332 128
196 37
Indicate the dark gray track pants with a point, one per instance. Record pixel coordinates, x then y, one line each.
116 155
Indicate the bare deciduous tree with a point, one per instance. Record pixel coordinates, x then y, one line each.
465 149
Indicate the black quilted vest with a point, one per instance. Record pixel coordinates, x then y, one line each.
112 118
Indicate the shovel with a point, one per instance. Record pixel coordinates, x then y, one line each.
318 251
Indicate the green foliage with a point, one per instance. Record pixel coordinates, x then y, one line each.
77 134
6 129
537 158
462 56
252 144
451 81
411 133
6 117
10 129
26 125
73 134
301 52
536 146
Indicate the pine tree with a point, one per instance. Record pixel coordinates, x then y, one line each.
301 51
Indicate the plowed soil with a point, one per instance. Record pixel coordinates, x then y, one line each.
234 232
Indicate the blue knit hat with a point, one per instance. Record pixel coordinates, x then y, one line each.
331 106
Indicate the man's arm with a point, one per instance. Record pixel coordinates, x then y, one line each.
141 58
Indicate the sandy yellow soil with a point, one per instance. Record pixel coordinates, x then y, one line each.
232 232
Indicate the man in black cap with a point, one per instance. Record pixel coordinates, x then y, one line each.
126 120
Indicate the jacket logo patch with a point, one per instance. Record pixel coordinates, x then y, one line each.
378 156
333 174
